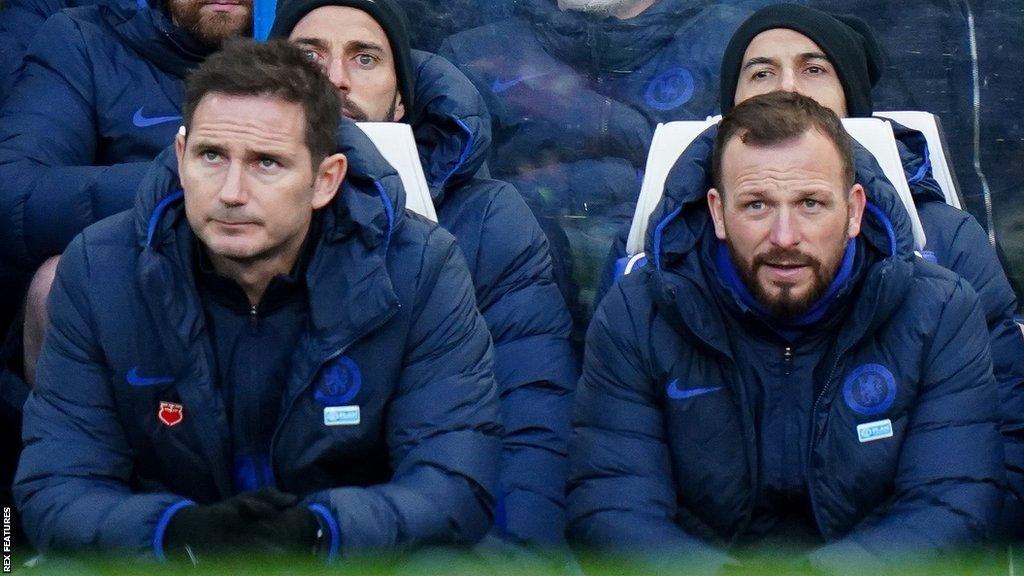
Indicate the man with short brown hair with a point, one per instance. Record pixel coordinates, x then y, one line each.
785 372
267 354
836 60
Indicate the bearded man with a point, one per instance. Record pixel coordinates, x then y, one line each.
785 372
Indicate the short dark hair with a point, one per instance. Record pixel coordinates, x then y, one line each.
776 117
275 68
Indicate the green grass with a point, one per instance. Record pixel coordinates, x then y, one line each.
449 563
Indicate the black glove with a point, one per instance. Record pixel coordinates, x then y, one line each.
295 530
265 520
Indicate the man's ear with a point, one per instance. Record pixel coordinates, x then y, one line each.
857 202
329 177
716 205
179 148
399 108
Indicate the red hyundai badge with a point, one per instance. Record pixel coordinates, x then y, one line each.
170 413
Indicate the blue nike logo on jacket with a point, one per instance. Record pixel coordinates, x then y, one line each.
141 121
135 379
499 86
677 393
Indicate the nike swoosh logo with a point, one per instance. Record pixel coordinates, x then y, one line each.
499 86
677 393
135 379
141 121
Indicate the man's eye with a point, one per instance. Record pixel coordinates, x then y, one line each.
210 156
809 203
761 74
311 55
365 60
815 70
755 205
268 163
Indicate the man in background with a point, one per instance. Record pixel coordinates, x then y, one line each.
575 89
363 48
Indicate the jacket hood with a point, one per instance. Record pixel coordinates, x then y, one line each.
603 43
369 203
917 164
682 216
450 122
150 33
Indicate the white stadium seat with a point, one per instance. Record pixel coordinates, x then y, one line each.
396 144
877 136
928 124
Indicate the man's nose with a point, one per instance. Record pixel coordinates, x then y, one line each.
785 230
233 191
788 81
338 75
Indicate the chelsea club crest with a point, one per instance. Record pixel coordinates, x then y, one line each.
869 389
340 382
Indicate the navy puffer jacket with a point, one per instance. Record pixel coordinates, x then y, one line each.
534 364
653 466
19 22
956 241
394 336
99 96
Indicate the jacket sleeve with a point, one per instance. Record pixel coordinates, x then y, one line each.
974 259
535 367
49 188
947 486
621 494
73 481
444 428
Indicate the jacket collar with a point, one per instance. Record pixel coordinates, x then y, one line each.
347 263
917 164
731 288
151 34
450 122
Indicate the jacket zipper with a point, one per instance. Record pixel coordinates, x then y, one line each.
787 361
814 439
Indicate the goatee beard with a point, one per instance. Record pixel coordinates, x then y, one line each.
782 303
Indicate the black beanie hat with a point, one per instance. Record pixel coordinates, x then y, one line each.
387 13
848 42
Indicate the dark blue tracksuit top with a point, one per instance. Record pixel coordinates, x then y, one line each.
781 388
252 347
